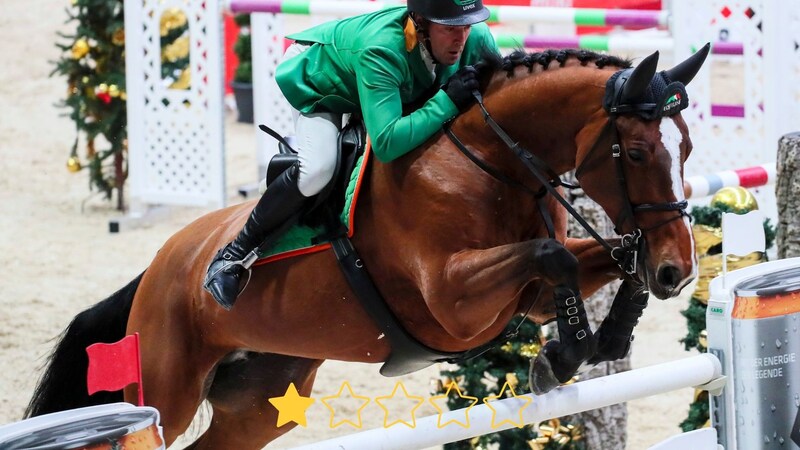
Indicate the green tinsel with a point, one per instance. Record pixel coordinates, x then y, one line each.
695 322
698 414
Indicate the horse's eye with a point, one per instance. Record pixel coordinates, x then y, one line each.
636 155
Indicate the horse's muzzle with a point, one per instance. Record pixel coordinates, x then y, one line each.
668 282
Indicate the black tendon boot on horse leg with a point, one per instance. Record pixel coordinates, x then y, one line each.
615 334
281 202
560 359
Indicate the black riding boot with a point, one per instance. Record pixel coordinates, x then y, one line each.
281 202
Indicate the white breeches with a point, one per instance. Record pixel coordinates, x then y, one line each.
316 137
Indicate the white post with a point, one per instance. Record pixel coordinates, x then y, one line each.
578 397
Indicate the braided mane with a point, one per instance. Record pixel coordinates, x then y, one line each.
493 62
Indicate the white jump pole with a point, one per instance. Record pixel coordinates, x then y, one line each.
591 394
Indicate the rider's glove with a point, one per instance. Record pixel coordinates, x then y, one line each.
460 86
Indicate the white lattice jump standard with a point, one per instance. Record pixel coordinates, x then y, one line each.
499 14
694 371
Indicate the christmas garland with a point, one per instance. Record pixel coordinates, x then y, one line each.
707 223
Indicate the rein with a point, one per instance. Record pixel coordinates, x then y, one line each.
629 252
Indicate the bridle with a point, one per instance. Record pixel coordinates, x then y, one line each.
630 251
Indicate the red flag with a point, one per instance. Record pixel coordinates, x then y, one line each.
114 366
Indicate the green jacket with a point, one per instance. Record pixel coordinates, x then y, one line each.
361 64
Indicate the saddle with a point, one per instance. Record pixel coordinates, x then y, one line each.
330 201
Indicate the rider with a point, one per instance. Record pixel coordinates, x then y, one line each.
373 63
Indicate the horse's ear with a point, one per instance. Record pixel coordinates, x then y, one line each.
635 87
685 71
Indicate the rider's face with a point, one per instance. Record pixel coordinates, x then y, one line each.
447 42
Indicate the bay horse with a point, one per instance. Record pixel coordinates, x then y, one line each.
456 252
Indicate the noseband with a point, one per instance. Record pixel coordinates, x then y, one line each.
630 251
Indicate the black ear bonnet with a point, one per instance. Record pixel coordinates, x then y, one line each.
662 97
650 95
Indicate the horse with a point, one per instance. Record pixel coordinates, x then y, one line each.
457 243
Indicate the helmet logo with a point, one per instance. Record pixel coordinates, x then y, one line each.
465 4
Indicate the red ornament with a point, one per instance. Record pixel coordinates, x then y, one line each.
104 97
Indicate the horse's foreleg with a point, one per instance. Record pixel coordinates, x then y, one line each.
560 359
596 269
615 334
476 286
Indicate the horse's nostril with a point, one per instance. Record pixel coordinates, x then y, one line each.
669 276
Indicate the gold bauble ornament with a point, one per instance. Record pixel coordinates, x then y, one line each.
735 197
80 48
73 164
102 88
113 90
118 37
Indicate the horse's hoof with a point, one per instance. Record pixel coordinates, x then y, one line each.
541 377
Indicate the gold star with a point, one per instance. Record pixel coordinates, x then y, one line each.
419 401
451 386
292 406
524 398
351 394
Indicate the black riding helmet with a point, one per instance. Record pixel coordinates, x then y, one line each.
450 12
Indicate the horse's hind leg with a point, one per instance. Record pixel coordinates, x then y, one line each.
242 417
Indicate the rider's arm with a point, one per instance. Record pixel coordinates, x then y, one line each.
393 135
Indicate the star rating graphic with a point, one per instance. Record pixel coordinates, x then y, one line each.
524 401
400 407
338 399
292 406
453 385
396 400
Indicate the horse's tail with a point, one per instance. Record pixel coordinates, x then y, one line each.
63 383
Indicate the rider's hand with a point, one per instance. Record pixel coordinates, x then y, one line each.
460 86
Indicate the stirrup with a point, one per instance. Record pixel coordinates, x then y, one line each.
246 263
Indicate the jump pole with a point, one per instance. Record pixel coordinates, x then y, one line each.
602 43
704 185
694 371
498 14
